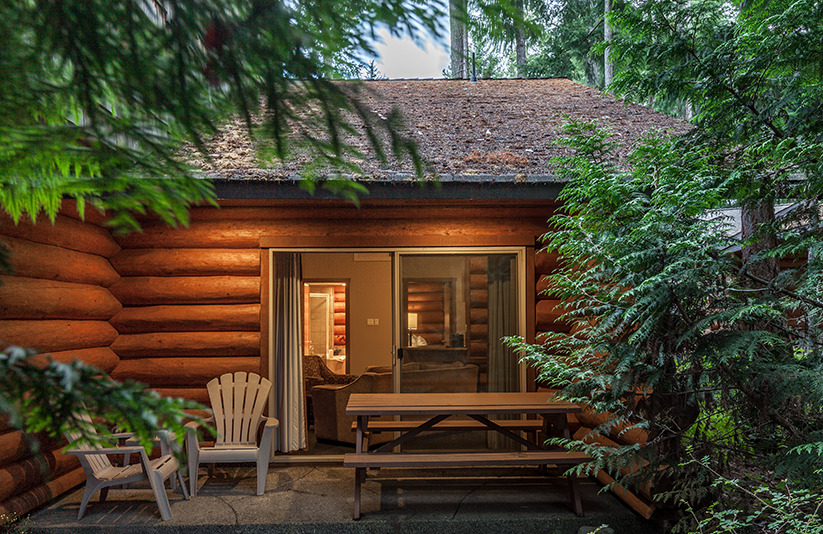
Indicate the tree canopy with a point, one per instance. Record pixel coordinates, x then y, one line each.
707 336
104 101
97 98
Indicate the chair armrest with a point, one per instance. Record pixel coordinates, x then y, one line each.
272 422
194 425
342 379
105 450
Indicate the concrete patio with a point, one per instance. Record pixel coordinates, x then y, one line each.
318 499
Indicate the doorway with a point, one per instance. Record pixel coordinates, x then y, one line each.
422 320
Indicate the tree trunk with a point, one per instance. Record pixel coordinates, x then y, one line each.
459 39
754 214
592 72
520 39
607 36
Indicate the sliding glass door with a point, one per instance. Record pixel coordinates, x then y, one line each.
452 311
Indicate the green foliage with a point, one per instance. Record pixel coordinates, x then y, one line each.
680 329
43 395
754 505
668 334
97 98
568 45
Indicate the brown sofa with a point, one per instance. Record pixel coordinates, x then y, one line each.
330 419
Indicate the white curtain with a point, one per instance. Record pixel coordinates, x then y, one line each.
503 375
502 322
287 365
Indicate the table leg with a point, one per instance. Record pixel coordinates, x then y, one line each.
561 429
362 426
574 491
359 473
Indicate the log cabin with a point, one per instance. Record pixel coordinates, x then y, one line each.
434 270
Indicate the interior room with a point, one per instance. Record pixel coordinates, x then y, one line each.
442 341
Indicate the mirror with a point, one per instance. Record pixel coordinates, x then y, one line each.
325 322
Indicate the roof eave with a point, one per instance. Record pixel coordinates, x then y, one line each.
536 188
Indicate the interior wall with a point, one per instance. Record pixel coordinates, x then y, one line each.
370 299
440 267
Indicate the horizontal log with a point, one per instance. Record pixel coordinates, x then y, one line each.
57 335
479 298
479 315
547 313
23 475
479 281
416 307
478 349
617 432
181 372
425 287
247 234
423 328
633 501
179 344
426 297
34 298
546 288
479 331
339 292
90 213
585 434
339 330
546 262
340 306
65 232
101 357
15 445
339 318
197 318
200 395
149 290
478 264
27 501
187 261
431 318
50 262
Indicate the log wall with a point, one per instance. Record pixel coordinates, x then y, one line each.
57 300
189 313
175 307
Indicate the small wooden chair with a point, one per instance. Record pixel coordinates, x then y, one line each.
237 402
101 473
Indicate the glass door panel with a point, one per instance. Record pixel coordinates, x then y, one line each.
454 310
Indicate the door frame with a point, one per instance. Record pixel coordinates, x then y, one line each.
522 252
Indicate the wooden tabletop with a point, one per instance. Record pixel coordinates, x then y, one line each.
455 403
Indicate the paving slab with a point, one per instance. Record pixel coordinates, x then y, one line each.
318 499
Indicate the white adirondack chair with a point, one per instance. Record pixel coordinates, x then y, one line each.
237 402
101 473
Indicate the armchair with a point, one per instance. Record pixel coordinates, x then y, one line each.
101 474
237 401
317 373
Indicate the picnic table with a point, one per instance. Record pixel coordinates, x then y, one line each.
437 411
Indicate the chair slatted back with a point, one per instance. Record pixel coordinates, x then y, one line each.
96 462
237 401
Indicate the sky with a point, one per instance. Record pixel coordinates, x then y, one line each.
402 58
